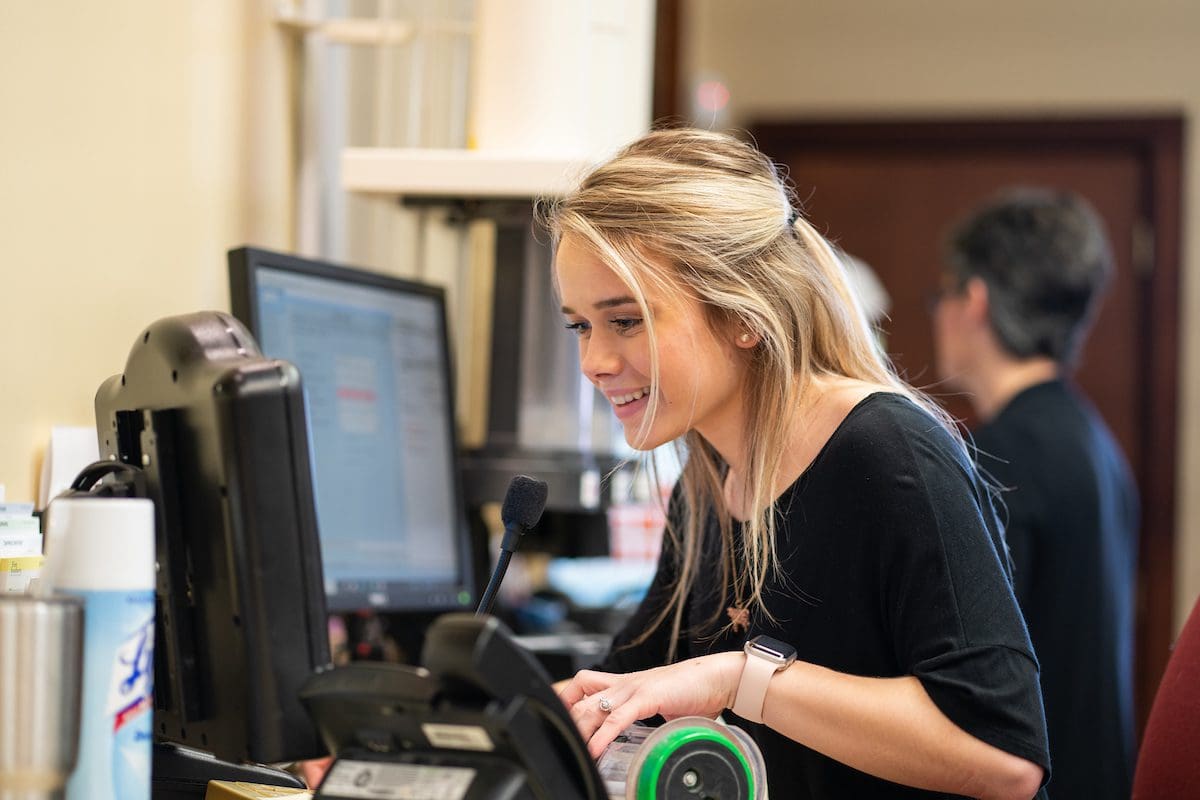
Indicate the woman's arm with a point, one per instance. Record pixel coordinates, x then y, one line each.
887 727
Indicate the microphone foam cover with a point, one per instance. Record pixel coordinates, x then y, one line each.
524 501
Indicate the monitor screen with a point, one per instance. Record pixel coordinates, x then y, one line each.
373 354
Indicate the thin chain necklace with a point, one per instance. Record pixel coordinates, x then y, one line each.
739 612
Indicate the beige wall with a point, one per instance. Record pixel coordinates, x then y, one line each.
786 59
139 141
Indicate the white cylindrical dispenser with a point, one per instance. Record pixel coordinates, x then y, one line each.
102 550
561 79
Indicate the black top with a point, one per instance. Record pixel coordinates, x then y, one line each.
894 565
1072 530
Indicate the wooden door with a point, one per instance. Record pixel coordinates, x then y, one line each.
888 192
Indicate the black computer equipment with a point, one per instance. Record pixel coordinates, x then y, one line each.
216 434
374 354
478 720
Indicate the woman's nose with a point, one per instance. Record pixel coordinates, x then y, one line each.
598 358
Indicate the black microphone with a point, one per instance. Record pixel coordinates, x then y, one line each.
523 505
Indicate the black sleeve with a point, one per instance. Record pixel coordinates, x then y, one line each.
625 656
953 617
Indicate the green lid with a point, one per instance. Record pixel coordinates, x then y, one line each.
656 758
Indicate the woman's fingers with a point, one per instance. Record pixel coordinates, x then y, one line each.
313 772
591 712
590 696
585 682
586 715
603 704
622 715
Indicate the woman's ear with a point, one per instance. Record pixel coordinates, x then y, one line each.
978 302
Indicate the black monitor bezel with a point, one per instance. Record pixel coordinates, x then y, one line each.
217 433
244 266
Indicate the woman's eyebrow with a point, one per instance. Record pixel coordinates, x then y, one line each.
608 302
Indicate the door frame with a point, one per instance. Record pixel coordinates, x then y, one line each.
1157 141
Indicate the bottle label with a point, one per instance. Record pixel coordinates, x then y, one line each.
118 681
132 673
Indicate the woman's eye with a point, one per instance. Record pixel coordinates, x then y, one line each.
577 328
626 324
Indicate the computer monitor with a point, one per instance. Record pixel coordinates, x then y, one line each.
373 351
214 434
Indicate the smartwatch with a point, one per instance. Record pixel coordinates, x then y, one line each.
764 657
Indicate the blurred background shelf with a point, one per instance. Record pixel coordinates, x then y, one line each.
457 173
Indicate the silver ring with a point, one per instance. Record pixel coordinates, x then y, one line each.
606 705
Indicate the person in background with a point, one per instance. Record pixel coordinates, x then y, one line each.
1025 275
868 289
833 576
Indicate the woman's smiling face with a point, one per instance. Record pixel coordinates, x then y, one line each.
700 369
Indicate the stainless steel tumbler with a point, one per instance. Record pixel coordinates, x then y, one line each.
41 667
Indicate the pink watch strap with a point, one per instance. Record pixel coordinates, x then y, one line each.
752 689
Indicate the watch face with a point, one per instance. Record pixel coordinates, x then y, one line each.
772 649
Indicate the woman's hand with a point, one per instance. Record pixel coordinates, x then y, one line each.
703 686
313 772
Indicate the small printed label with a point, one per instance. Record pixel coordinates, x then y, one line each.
458 737
376 780
16 573
15 509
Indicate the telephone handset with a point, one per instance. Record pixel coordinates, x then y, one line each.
478 721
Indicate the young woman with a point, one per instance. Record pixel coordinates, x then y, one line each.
824 503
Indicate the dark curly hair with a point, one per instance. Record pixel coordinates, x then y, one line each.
1046 260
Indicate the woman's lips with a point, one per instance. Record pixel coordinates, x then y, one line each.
631 409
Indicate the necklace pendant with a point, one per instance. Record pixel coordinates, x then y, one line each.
739 618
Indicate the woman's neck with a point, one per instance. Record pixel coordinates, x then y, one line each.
822 407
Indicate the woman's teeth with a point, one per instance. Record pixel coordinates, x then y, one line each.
624 399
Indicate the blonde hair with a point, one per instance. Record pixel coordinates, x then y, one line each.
704 215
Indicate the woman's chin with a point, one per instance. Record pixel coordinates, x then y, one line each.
644 441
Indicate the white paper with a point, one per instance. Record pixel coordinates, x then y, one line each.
18 543
10 510
71 448
16 574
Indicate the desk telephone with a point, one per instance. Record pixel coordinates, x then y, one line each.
479 721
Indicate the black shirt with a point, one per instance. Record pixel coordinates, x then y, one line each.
894 565
1072 530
